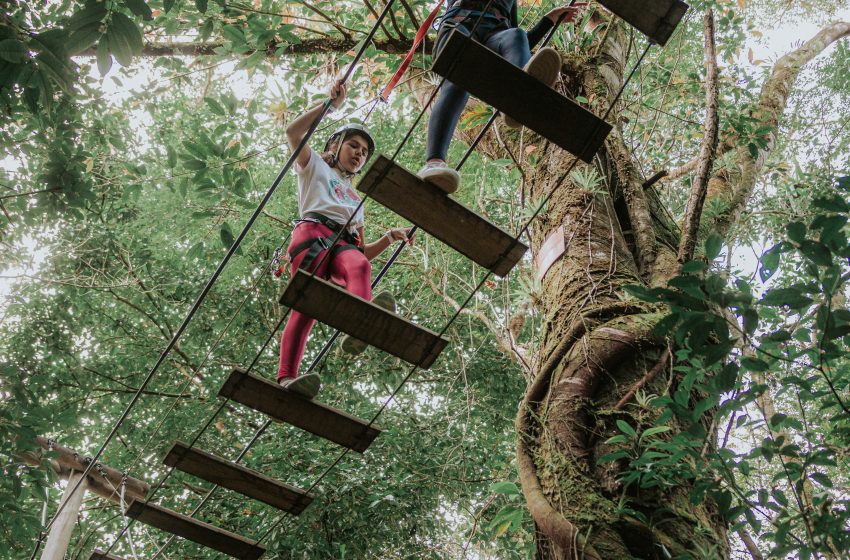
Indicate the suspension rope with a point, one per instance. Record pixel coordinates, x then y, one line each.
215 344
230 252
317 266
477 288
389 263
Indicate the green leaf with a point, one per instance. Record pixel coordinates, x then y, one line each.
93 13
626 428
693 267
796 231
167 5
833 203
83 38
726 379
195 164
201 5
140 8
125 39
713 246
654 431
816 252
12 50
769 264
233 34
196 252
508 488
792 297
500 527
104 59
171 156
53 57
611 457
754 364
226 235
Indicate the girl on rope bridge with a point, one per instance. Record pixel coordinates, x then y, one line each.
326 201
497 31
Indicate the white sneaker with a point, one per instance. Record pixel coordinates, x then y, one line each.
440 174
545 66
306 385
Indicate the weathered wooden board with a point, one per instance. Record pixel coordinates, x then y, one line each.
269 398
194 530
657 19
427 206
98 554
489 77
237 477
362 319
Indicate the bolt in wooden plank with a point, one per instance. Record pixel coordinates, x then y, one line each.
657 19
427 206
195 530
362 319
237 477
492 79
324 421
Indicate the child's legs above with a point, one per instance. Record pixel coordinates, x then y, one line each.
511 44
444 118
447 108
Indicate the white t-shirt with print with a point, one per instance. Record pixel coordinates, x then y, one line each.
321 189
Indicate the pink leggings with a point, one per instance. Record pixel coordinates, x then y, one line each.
351 269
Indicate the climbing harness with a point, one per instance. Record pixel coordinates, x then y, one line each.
316 245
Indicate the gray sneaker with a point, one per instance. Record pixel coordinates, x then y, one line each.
355 346
306 385
440 174
545 66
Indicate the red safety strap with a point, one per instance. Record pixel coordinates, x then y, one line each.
420 35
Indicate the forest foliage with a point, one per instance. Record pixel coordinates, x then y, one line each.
127 172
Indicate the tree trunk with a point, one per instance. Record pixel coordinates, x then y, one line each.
596 345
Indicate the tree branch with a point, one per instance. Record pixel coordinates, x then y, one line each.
750 544
309 46
708 152
329 19
639 215
771 106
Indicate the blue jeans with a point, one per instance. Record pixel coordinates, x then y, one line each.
510 43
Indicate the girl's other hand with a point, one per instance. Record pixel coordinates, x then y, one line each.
571 12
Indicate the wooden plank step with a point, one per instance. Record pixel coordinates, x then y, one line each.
492 79
195 530
269 398
657 19
237 478
98 554
362 319
427 206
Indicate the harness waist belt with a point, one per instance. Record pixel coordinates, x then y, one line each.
316 245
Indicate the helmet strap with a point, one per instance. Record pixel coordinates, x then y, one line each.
335 155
